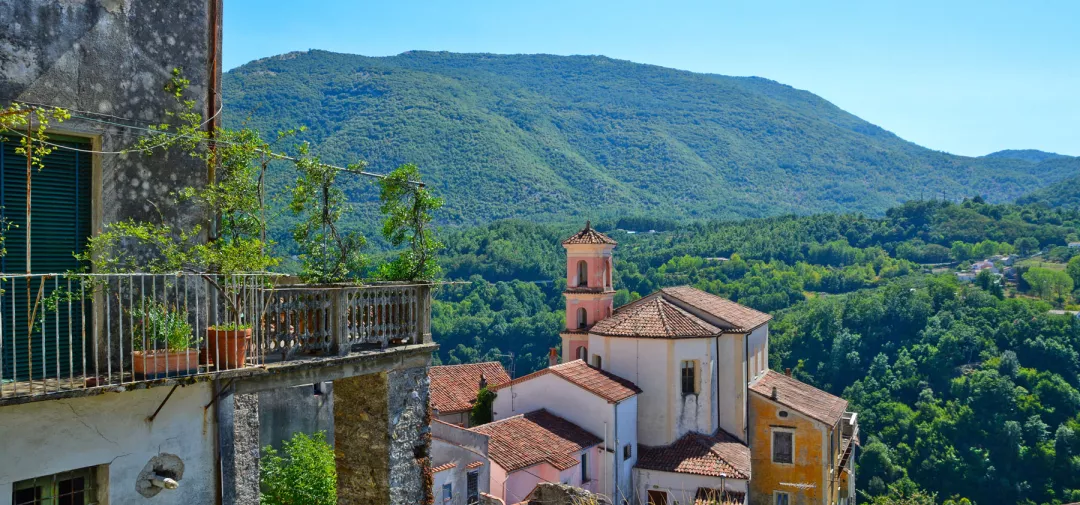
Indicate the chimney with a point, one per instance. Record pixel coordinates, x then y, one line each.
553 357
774 392
787 372
483 381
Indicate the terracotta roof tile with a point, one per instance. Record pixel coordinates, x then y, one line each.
454 387
654 317
699 454
599 382
536 437
800 397
474 464
588 235
441 468
738 316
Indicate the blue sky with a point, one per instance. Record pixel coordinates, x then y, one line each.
959 76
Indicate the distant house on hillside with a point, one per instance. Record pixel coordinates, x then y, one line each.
965 276
1073 313
1074 244
984 265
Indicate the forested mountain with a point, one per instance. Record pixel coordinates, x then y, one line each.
967 390
550 137
1032 155
1064 193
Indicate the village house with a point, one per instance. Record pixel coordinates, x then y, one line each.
460 465
88 414
454 389
669 399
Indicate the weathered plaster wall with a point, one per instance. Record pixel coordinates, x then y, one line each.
810 465
382 438
47 437
285 411
681 487
112 57
450 444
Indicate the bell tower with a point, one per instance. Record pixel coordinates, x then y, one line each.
589 293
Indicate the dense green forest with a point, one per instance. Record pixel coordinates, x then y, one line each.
550 138
1065 193
964 389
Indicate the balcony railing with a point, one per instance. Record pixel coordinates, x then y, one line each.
68 332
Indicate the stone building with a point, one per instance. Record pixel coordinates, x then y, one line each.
86 419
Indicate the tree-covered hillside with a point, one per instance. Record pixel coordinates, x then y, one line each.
963 389
1064 193
551 137
1032 155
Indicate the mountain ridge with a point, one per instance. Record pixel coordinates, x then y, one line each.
553 138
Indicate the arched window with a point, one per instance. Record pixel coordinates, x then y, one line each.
582 353
597 361
582 318
582 273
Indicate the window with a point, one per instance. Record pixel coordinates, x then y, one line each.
657 497
582 318
447 493
597 361
582 273
689 377
582 353
783 442
584 467
68 488
781 498
472 488
627 451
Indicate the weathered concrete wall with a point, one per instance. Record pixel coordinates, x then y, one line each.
382 438
681 487
111 430
285 411
113 57
810 466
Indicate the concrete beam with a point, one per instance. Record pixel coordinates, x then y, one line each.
295 373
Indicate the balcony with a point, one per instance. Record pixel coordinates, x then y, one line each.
65 334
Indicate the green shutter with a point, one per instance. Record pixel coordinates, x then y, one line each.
61 224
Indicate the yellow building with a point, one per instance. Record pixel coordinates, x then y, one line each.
802 441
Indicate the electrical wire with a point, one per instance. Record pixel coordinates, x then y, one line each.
271 154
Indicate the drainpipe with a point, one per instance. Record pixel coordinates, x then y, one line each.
615 455
746 389
716 401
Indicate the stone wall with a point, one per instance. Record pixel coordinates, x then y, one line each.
382 437
114 57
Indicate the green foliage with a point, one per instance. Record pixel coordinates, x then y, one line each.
1049 284
159 327
328 255
1065 193
306 474
1073 269
481 411
542 137
408 206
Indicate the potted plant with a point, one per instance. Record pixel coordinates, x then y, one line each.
163 342
227 345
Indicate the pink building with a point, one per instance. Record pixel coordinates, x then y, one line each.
589 293
536 447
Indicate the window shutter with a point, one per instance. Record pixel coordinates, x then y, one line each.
61 225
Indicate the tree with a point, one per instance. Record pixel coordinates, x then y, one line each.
1049 284
481 411
306 474
1027 245
1073 269
408 206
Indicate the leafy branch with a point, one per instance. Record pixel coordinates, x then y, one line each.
408 206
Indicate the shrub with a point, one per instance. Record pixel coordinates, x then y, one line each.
305 475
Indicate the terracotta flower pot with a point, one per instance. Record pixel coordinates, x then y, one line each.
161 364
227 346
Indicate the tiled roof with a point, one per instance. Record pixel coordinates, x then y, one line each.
474 464
454 387
738 316
800 397
601 383
536 437
441 468
655 317
699 454
588 235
